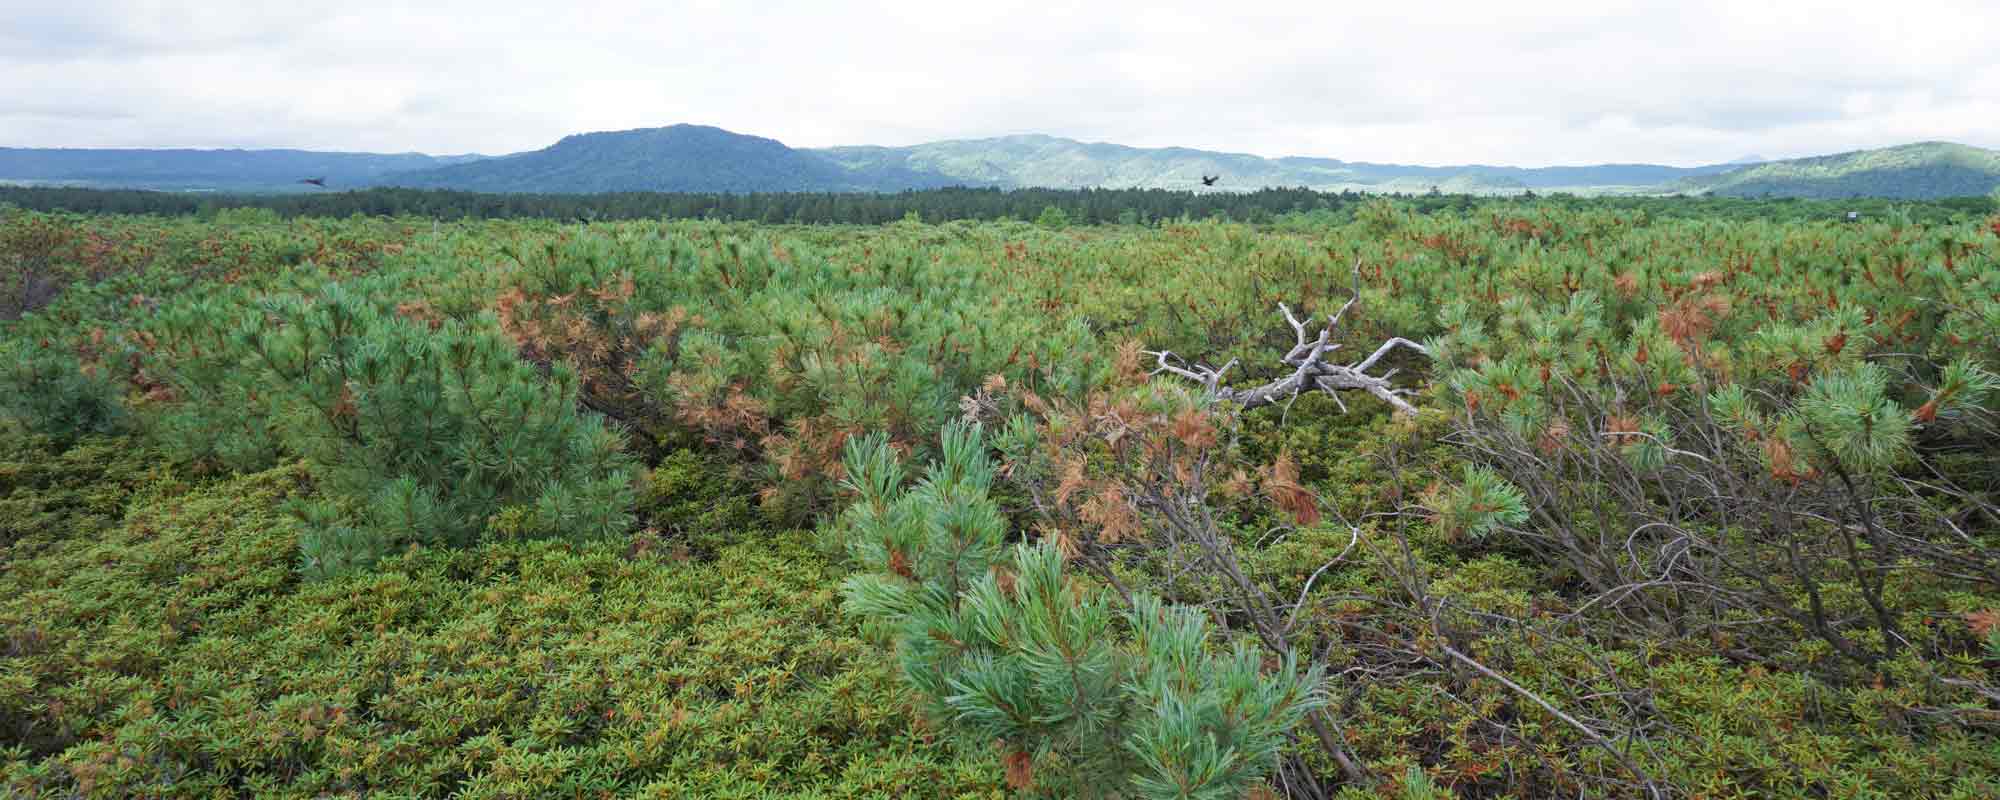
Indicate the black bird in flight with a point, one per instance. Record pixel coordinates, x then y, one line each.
319 182
1209 180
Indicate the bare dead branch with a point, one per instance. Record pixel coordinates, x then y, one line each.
1311 368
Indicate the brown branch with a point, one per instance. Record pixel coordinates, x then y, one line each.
1588 733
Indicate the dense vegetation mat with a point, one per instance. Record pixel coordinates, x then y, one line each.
174 652
1697 500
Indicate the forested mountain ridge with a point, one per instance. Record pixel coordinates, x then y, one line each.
1035 160
1924 169
677 158
698 158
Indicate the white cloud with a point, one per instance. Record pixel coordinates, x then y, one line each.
1421 82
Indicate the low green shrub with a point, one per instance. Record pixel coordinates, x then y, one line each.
698 499
49 492
177 654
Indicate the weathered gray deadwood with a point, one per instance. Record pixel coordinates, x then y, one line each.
1311 367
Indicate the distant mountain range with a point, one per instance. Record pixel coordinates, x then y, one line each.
1911 171
695 158
1047 161
207 170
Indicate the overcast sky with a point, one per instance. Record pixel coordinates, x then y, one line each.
1409 81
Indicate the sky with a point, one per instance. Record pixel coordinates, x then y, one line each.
1524 83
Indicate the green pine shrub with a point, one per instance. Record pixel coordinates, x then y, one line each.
52 391
774 352
72 366
1087 695
36 255
419 431
428 435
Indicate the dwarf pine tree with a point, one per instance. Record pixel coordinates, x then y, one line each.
208 400
1087 695
774 352
417 431
46 388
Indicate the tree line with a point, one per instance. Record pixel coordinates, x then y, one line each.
1067 206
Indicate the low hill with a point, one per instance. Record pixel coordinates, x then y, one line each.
1911 171
1034 160
207 170
677 158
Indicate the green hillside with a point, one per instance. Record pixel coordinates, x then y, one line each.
1922 170
677 158
1034 160
1047 161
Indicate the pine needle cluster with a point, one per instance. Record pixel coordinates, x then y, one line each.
1086 695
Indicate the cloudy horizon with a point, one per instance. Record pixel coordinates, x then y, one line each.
1444 83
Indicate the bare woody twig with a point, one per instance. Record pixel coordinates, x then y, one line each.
1308 358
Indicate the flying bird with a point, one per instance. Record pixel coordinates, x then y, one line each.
1209 180
319 182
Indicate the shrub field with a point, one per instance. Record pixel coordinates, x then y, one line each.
1493 499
